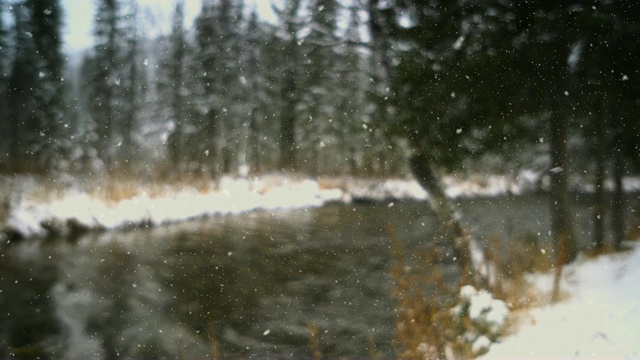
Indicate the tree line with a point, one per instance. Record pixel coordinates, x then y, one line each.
330 87
234 93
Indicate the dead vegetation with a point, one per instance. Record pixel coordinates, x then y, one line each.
426 328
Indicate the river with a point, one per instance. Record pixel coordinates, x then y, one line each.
244 286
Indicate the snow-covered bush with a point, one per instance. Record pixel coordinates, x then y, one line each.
478 320
434 320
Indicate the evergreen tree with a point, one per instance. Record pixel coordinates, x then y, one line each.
353 121
289 89
105 76
317 76
207 63
5 63
174 89
35 86
380 26
229 70
270 64
219 61
602 72
551 29
256 84
133 84
81 130
24 122
46 25
450 103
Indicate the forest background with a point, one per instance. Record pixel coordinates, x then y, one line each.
355 88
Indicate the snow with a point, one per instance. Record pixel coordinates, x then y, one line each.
482 303
39 215
481 316
483 307
599 318
35 216
491 185
481 343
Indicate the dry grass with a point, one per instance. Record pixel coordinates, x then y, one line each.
118 187
314 341
215 344
44 189
512 261
422 327
326 183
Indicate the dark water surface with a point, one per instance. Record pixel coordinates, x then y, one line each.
246 286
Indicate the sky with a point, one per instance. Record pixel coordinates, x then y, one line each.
79 18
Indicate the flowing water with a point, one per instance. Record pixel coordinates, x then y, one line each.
244 286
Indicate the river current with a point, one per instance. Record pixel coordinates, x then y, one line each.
255 285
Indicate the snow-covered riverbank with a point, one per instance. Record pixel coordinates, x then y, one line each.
31 211
599 319
28 209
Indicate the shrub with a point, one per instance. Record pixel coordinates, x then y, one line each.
434 321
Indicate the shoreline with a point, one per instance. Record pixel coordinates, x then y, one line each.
33 209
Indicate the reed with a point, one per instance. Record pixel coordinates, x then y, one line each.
314 341
421 324
215 344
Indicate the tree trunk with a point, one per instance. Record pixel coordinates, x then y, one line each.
288 94
128 125
213 152
177 78
15 137
599 208
352 166
561 219
177 153
288 123
254 141
444 210
617 203
381 65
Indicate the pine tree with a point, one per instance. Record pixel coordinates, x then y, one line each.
447 78
290 87
175 88
105 76
35 86
46 25
353 120
133 84
229 70
602 75
551 35
24 122
253 79
380 69
218 35
445 74
5 62
317 75
266 77
207 63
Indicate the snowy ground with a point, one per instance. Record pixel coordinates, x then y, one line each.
600 318
28 210
30 213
